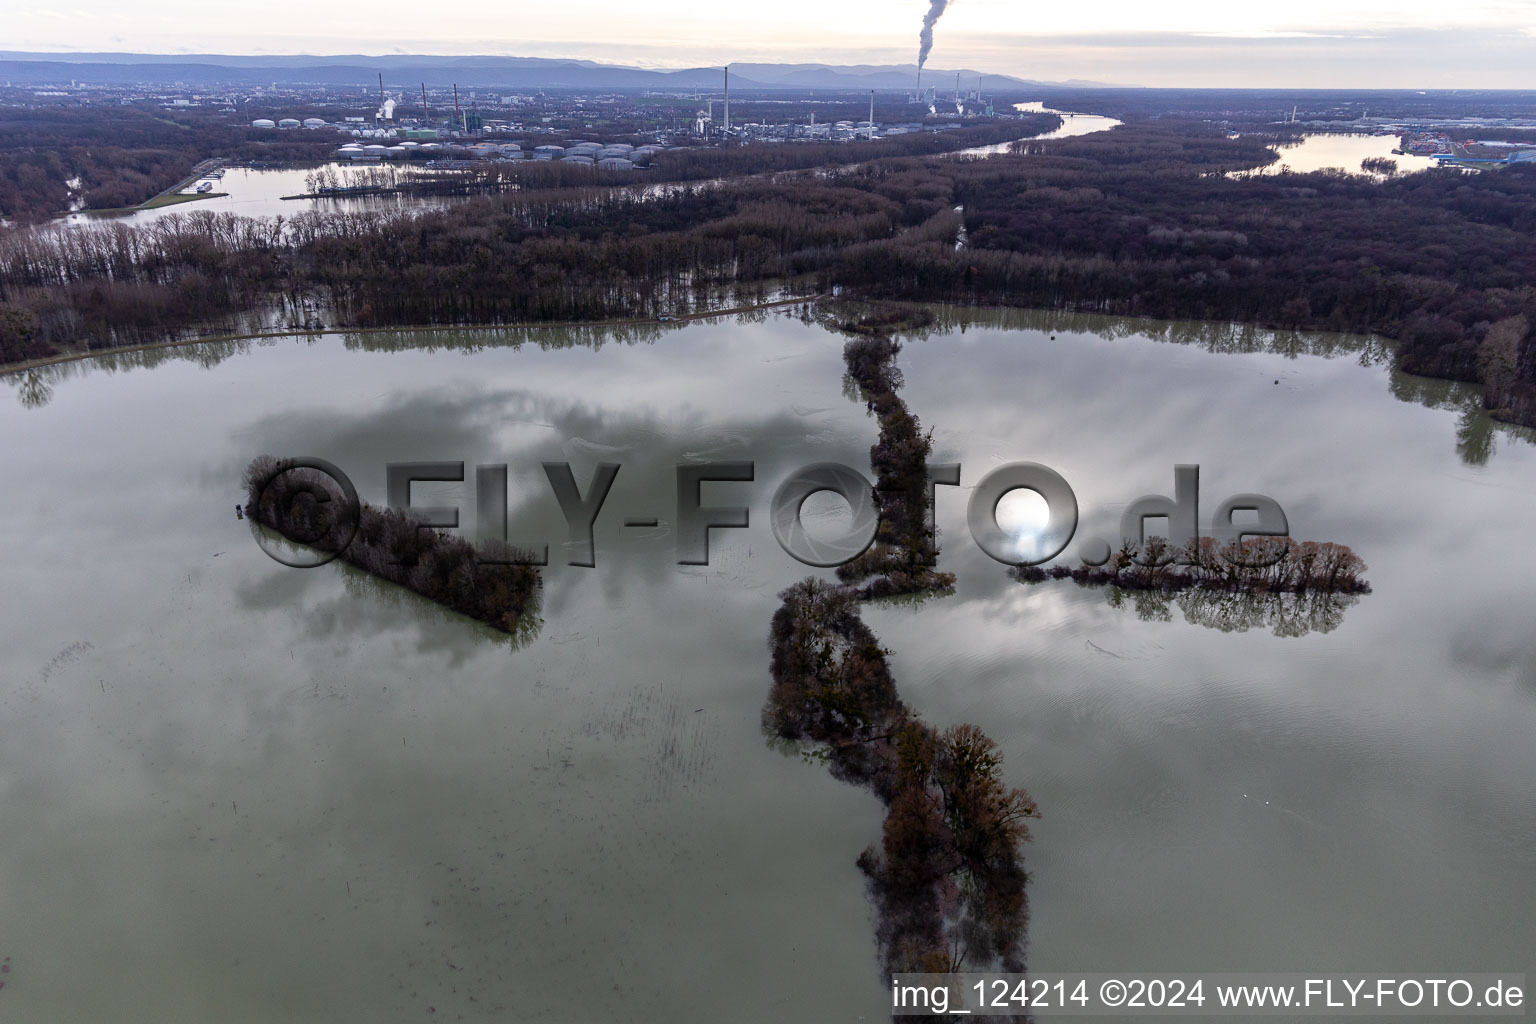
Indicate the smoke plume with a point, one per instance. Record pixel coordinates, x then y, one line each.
925 37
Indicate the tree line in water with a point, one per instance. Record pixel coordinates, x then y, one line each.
1290 587
947 876
491 582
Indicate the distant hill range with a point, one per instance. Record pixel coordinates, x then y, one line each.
24 68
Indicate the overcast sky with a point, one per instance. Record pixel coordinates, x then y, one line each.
1310 43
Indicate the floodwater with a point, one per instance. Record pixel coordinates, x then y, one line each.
259 192
233 790
1322 150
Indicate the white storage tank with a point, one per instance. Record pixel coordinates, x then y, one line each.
288 122
616 163
313 122
548 152
578 158
263 122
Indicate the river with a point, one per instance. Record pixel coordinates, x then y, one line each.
238 791
1072 125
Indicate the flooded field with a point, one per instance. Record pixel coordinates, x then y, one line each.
239 791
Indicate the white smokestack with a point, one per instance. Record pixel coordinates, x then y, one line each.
727 99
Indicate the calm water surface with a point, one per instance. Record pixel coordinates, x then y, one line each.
237 791
1322 150
259 192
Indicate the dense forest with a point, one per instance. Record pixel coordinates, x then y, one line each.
1146 220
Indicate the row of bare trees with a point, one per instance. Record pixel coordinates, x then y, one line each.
1264 565
495 584
947 875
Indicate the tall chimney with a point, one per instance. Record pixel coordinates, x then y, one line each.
727 99
381 95
457 115
424 114
871 113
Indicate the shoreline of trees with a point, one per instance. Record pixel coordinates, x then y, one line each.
1258 565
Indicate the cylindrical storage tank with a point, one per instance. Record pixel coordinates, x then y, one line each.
616 163
611 151
584 148
548 152
579 159
376 150
288 122
626 147
263 122
313 122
